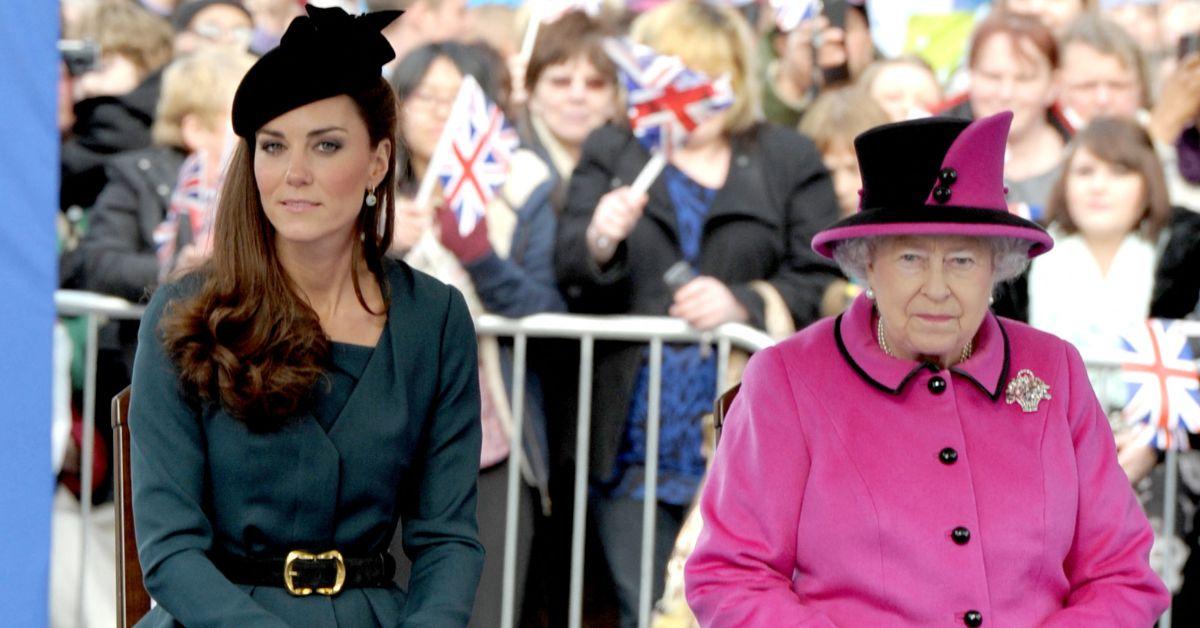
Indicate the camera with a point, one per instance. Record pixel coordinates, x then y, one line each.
79 55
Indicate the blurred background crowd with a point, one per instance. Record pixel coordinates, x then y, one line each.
1104 150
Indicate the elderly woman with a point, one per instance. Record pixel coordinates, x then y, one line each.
928 463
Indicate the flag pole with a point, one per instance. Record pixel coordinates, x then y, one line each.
425 191
1170 492
649 173
531 30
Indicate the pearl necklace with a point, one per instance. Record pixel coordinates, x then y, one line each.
962 357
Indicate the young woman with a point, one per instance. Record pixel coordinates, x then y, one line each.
299 394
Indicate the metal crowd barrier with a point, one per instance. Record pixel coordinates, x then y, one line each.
98 309
589 329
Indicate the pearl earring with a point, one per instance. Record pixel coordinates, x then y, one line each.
991 300
870 294
371 200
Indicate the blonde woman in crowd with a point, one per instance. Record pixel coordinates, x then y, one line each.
735 209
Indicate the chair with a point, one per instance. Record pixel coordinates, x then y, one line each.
721 406
133 601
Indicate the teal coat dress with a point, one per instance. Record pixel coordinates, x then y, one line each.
395 437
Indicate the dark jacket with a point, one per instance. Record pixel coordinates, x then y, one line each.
104 126
760 227
405 447
118 248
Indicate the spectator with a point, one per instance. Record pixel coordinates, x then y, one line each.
116 101
502 266
423 22
192 117
790 79
905 87
1175 127
1121 253
203 23
833 121
1055 14
1012 63
757 193
572 87
1101 72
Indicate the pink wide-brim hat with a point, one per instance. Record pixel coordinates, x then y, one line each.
934 176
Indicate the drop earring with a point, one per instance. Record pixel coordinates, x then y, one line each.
371 200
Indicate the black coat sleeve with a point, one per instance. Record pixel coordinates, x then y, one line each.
587 286
1177 278
118 257
805 189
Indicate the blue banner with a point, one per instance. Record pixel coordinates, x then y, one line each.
28 277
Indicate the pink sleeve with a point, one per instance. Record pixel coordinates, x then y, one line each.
740 571
1108 566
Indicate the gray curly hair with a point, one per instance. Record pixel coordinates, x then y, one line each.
1010 256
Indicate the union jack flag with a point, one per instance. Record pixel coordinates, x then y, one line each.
667 101
193 200
549 11
1160 374
473 154
789 13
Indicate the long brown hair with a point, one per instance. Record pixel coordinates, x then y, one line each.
246 338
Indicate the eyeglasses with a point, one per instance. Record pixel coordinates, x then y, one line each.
429 101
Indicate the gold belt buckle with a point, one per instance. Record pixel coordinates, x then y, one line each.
289 574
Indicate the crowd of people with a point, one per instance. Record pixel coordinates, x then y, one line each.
1103 151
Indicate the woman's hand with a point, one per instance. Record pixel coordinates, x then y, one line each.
411 223
705 303
1136 458
615 215
1179 103
467 248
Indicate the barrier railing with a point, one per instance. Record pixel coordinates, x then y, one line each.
98 309
589 329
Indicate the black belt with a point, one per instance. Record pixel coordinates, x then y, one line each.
305 573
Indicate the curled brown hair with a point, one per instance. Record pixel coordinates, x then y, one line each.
247 338
1123 143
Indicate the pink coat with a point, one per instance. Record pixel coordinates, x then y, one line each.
855 489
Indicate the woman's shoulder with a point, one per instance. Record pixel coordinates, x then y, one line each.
419 291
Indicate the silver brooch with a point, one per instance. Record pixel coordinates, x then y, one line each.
1027 389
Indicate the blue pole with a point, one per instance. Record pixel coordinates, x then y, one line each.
28 277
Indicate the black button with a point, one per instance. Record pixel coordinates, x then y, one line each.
941 194
937 385
960 535
948 176
948 455
973 618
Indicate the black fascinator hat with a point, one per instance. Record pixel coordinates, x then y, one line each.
323 54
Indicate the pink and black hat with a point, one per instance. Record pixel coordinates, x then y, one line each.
934 176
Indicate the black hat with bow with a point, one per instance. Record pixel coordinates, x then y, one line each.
323 54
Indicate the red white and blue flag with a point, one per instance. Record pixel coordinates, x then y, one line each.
1160 373
194 200
790 13
473 155
666 100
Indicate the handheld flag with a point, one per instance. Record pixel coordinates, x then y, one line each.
472 157
1160 374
